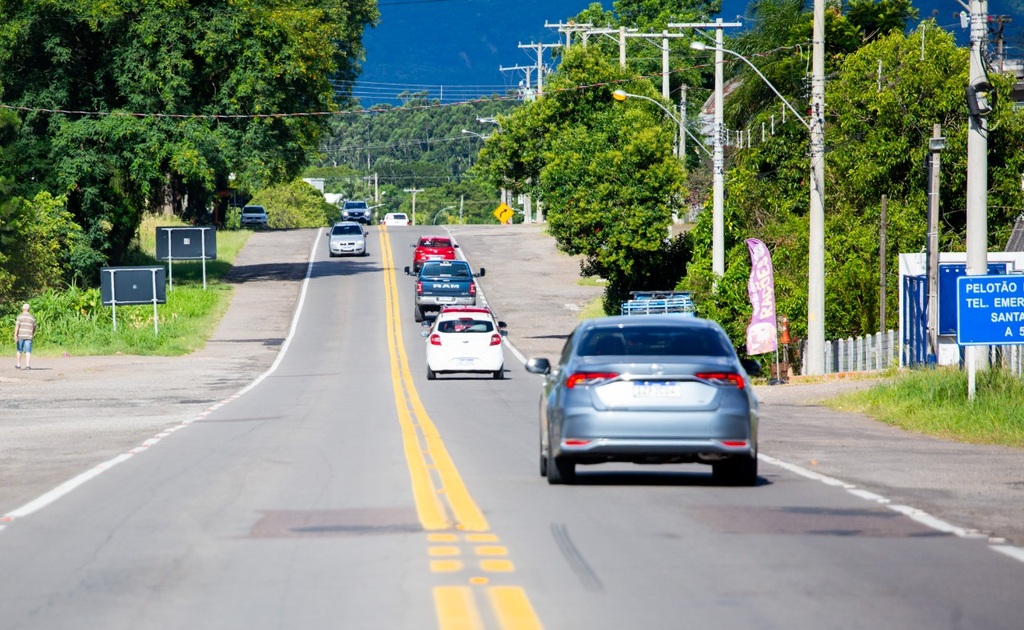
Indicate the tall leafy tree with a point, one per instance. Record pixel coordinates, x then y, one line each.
877 143
605 172
180 93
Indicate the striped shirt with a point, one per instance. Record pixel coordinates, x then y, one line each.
25 326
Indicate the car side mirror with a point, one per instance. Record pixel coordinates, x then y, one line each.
426 324
424 333
407 272
502 324
538 366
481 273
455 245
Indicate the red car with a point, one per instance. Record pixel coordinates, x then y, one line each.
432 248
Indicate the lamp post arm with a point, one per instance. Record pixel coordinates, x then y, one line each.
769 84
674 119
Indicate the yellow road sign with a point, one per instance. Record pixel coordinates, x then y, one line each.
503 213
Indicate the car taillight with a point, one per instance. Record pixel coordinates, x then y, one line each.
495 340
723 378
588 378
435 339
419 288
472 288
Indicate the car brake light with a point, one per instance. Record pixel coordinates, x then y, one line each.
495 340
588 378
575 442
472 288
435 339
419 288
723 378
735 443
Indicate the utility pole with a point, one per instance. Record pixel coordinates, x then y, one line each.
935 146
569 28
540 62
681 147
814 359
977 169
527 69
882 245
718 157
414 191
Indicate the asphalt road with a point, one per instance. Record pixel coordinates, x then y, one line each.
344 489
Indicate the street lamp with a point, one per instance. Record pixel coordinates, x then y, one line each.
473 133
718 185
621 95
440 211
814 361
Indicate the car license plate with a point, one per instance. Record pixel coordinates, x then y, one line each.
466 362
647 389
446 299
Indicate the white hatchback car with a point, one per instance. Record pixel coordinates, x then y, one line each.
465 339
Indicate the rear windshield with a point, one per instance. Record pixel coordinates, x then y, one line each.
347 229
435 242
446 270
465 324
400 217
654 341
355 205
254 210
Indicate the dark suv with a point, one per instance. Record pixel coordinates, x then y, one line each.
356 211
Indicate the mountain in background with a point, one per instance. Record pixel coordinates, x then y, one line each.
453 49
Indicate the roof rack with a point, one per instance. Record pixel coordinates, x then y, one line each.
659 303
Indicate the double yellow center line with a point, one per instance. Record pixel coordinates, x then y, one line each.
455 524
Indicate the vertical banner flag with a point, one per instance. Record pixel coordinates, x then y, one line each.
761 333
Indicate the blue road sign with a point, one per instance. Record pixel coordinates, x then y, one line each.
990 310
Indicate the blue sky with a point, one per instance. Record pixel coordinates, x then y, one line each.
453 49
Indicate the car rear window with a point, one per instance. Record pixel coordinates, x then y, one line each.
465 324
446 270
657 341
435 242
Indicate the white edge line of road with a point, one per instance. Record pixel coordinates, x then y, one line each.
508 344
65 488
922 517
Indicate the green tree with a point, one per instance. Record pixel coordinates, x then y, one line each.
185 93
877 143
295 205
605 171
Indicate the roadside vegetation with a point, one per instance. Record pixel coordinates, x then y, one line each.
74 320
934 402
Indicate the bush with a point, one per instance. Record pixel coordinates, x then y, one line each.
294 205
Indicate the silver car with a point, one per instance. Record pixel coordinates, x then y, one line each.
347 237
655 389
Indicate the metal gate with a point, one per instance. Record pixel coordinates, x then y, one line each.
915 320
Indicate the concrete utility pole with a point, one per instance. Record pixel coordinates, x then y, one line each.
718 161
882 245
814 359
977 168
527 69
935 146
569 28
414 191
540 62
681 147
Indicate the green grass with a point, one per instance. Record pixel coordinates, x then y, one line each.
934 402
591 281
75 322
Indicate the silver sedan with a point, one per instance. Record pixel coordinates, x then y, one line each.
648 389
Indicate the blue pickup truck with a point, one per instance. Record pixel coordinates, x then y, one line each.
443 283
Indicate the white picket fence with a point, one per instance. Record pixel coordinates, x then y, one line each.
868 353
881 351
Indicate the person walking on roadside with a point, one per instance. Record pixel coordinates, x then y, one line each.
24 331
